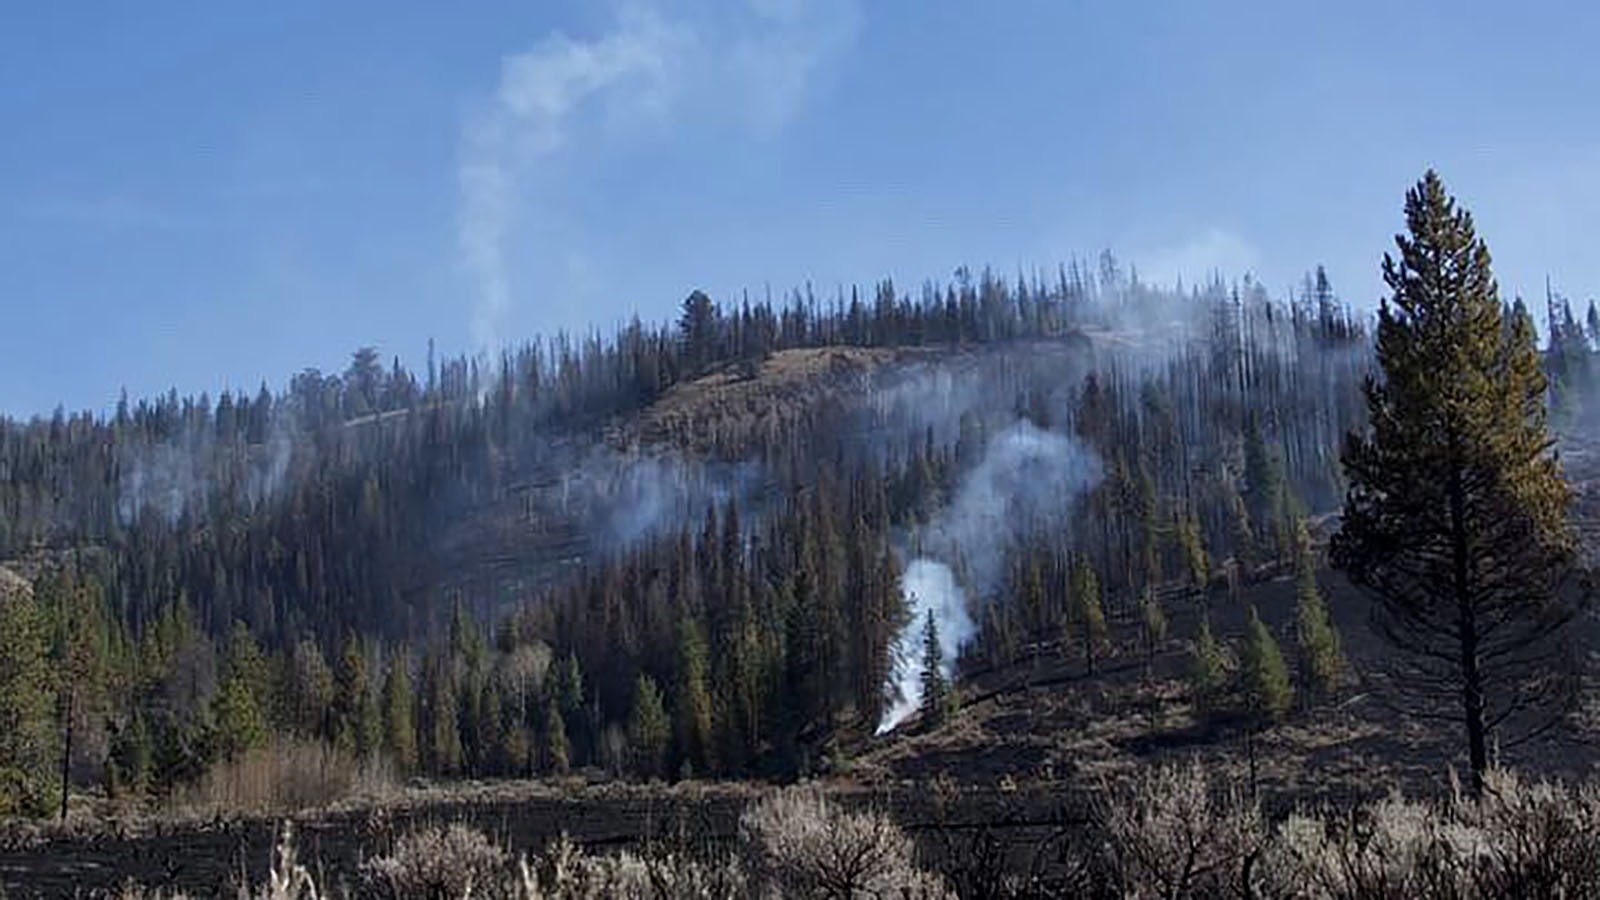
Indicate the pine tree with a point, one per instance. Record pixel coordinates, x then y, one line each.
441 732
27 736
648 729
131 754
311 691
1456 517
697 327
1086 611
1321 657
1264 483
692 699
399 724
490 727
1208 672
245 660
240 724
1196 561
935 689
569 698
1267 691
358 726
1154 620
557 753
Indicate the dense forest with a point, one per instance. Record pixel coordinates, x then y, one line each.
190 577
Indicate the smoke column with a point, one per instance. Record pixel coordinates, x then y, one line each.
1030 480
928 585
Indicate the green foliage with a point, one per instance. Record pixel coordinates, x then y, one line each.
240 724
1154 621
1191 543
359 721
440 746
1085 610
399 723
936 695
1208 669
27 735
131 755
1267 494
764 632
1322 662
648 729
693 698
1267 692
1456 517
557 752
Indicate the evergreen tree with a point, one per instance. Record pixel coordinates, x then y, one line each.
79 660
692 699
648 729
935 689
697 327
557 753
1456 518
1208 671
399 723
1196 561
246 661
490 728
441 732
1086 611
1321 657
310 691
27 736
1264 484
570 696
359 724
1267 691
1154 620
240 724
131 755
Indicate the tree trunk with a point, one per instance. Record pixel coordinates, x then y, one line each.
66 752
1467 625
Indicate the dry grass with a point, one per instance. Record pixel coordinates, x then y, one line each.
286 777
1173 833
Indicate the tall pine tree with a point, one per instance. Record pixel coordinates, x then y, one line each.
1456 516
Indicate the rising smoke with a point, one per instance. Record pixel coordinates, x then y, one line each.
183 475
1029 480
626 498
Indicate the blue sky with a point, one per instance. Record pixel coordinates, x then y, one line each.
205 195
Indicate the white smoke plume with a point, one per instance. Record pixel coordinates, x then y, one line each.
1029 480
526 121
746 66
928 585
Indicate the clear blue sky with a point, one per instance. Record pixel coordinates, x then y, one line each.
206 194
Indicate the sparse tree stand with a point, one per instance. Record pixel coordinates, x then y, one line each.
1456 516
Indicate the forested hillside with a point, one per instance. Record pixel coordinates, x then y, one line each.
708 546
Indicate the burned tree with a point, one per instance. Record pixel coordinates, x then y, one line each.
1456 517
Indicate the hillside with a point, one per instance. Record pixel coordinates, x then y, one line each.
711 550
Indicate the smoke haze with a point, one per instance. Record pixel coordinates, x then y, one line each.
1028 480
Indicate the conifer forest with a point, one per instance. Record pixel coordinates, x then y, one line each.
714 546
